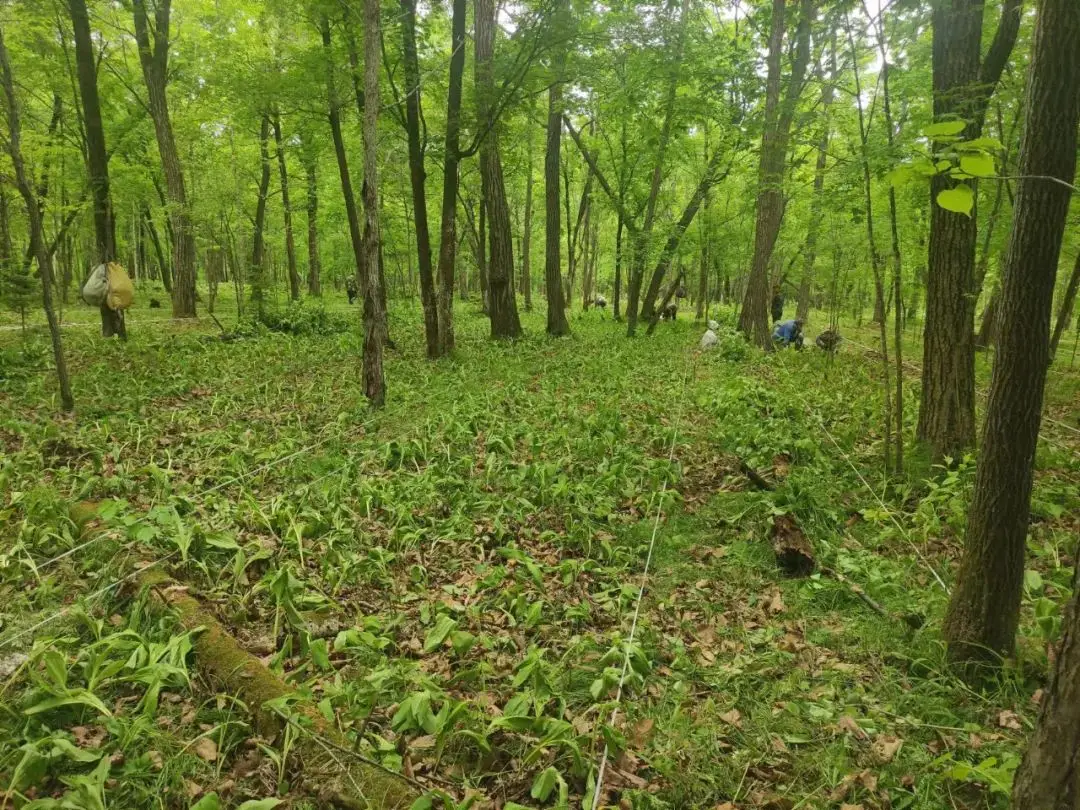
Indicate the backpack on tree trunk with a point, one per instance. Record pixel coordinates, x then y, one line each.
110 285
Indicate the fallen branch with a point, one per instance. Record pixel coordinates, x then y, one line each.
912 620
755 476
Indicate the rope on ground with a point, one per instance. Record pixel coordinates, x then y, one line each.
598 789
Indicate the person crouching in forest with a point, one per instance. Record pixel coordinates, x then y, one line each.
829 340
788 333
350 290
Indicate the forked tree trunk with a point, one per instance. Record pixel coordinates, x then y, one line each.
290 242
37 234
962 87
375 326
502 306
314 278
754 316
154 59
448 222
557 324
417 177
258 269
980 625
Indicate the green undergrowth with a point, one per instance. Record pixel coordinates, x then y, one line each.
452 580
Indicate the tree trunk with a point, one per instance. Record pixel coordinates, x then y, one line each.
97 159
1066 310
962 87
286 208
37 235
502 306
258 270
417 177
557 325
984 610
163 264
154 58
314 278
618 267
375 326
448 224
481 255
526 237
703 274
754 317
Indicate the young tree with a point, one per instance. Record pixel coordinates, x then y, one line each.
502 305
97 159
258 271
1065 312
153 44
286 208
375 330
314 279
754 317
526 236
33 214
984 609
963 84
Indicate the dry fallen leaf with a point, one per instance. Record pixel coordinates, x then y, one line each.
155 760
206 749
848 724
732 718
421 743
1009 719
640 732
868 780
724 806
776 604
840 792
193 789
851 807
885 747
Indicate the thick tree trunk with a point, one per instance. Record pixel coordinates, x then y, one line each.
375 326
502 306
1066 310
154 58
984 609
417 177
962 87
557 324
754 316
258 270
314 278
37 234
286 208
448 223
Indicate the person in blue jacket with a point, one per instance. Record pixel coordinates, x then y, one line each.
788 333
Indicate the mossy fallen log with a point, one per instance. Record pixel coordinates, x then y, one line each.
338 779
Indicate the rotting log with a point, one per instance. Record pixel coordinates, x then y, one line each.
339 781
794 554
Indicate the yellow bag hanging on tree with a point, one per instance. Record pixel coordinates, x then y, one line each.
121 290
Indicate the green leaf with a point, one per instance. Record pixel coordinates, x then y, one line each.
423 803
259 804
208 802
462 641
72 752
982 144
77 697
944 129
437 635
320 654
544 784
1033 580
960 199
978 165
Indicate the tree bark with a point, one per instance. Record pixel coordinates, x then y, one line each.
754 316
33 213
417 177
526 237
375 326
557 325
314 278
984 610
1066 310
962 87
154 59
258 270
451 158
616 313
286 208
163 264
502 306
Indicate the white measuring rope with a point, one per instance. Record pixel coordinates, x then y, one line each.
598 789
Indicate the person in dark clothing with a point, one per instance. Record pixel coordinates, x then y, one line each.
777 303
828 340
670 312
350 290
788 333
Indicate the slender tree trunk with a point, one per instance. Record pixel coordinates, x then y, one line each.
163 264
962 87
481 255
286 207
703 274
618 267
417 177
557 324
754 317
33 213
375 327
984 610
526 238
502 306
1066 310
154 59
314 279
448 223
258 269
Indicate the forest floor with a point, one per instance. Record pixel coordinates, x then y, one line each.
452 580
